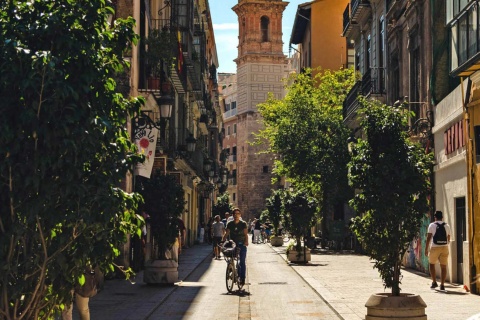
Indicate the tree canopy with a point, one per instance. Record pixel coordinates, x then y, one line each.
306 130
391 175
65 150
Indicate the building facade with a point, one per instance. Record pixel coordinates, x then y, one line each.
228 88
312 32
261 66
175 64
393 56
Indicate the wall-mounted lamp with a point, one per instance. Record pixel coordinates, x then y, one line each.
207 165
191 143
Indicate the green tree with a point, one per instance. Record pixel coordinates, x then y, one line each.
222 205
300 214
164 202
306 129
65 150
391 176
274 209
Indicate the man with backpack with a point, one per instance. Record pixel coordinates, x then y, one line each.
439 232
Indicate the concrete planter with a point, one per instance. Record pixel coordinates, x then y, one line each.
293 256
160 272
382 306
276 241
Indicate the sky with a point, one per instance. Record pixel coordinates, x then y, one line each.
225 26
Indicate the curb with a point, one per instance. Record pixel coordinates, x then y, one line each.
308 284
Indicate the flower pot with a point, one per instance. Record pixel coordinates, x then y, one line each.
153 83
276 241
160 272
294 256
385 306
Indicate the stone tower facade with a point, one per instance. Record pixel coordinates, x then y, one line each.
261 66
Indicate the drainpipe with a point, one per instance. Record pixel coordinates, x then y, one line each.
470 162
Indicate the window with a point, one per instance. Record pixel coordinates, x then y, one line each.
228 130
235 128
477 144
234 105
368 52
414 75
265 169
234 196
264 22
381 55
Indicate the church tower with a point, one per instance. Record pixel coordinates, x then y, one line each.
261 66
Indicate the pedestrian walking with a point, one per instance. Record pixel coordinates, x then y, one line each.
439 232
218 232
226 219
256 231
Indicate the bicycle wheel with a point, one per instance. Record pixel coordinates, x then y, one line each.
230 276
239 284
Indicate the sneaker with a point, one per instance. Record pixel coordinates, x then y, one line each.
434 285
442 287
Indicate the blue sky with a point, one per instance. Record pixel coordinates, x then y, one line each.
225 26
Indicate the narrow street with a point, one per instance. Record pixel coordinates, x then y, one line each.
273 291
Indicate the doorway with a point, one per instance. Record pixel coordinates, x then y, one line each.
460 234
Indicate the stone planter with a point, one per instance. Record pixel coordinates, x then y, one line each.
293 256
384 306
160 272
276 241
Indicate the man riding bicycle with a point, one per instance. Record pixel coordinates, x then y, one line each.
238 232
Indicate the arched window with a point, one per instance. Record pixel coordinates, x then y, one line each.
264 22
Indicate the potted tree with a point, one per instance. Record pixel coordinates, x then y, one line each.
274 214
391 176
161 46
164 203
300 212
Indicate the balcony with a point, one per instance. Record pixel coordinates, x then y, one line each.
350 105
466 50
372 83
354 13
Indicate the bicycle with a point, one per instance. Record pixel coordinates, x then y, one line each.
231 254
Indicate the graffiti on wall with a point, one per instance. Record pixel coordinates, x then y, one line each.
415 257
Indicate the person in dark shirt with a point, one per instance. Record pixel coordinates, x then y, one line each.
238 232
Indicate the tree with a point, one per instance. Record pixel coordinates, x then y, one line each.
391 176
164 203
300 212
222 205
306 128
274 208
65 150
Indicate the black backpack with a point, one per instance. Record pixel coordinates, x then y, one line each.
440 236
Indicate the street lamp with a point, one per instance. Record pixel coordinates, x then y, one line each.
191 142
219 183
207 165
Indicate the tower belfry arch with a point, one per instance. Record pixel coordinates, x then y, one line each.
261 68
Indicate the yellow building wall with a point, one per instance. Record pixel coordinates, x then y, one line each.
328 46
474 186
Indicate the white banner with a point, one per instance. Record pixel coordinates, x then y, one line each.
146 140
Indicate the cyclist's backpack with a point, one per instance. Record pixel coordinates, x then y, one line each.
440 236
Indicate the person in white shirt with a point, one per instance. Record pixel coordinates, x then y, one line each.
440 232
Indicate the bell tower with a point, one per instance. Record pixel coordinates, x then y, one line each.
261 68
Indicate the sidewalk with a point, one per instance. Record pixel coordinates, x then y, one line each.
121 299
346 281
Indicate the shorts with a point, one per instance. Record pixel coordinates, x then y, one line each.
438 254
216 241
